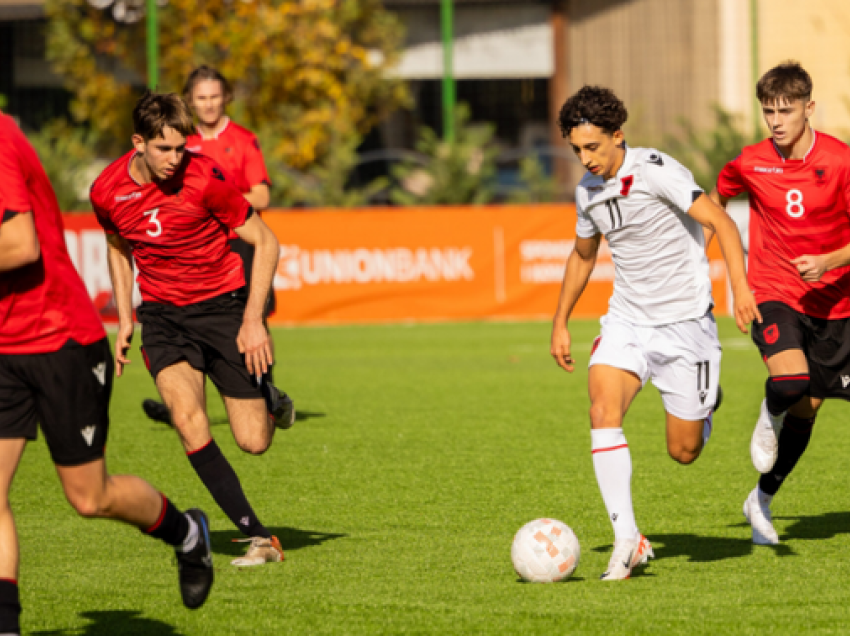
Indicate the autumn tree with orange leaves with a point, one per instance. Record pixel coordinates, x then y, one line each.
311 73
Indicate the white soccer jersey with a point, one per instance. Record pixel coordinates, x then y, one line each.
660 267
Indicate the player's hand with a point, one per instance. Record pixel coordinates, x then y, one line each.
253 343
560 348
746 308
122 346
811 267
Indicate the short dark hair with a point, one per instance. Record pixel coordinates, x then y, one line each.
789 81
155 111
203 73
593 105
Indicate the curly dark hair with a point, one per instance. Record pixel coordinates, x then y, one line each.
594 105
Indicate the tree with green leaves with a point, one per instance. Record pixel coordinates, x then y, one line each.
315 71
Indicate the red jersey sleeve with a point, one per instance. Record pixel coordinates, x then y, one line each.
730 181
13 186
255 167
224 201
101 213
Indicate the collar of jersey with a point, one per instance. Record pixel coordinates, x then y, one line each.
808 152
217 132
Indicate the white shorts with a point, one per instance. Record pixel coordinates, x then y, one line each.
682 360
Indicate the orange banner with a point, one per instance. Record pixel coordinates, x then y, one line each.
399 264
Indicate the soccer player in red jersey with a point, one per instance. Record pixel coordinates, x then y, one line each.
56 371
170 211
798 182
237 150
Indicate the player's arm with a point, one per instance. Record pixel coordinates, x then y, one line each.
580 266
253 339
715 219
259 196
721 201
120 261
813 266
19 244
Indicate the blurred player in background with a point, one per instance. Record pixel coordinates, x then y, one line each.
170 211
659 324
56 371
798 181
237 150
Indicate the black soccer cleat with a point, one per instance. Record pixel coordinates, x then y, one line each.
157 411
195 568
280 406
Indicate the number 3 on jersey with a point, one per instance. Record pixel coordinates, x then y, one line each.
795 208
155 221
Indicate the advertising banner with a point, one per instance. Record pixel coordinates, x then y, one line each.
409 264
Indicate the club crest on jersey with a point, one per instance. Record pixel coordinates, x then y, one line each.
820 175
627 185
216 173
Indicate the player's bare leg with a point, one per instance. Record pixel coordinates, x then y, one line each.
10 605
612 391
252 427
182 389
94 493
685 438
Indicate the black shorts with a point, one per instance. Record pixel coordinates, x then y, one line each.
67 392
203 334
825 343
246 253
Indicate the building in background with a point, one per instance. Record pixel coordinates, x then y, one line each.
516 61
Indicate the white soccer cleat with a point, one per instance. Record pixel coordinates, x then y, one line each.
760 519
627 555
764 446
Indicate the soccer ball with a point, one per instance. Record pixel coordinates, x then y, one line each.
545 551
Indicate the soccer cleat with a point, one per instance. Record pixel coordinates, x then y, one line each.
760 519
157 411
280 406
764 446
195 568
260 551
627 555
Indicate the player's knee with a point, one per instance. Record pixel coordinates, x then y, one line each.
604 416
684 452
784 391
256 445
189 420
88 505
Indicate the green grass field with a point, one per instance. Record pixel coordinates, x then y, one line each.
418 452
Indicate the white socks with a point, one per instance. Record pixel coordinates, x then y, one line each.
613 465
191 539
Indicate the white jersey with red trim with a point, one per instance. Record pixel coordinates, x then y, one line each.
661 273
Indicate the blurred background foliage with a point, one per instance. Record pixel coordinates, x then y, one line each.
69 157
315 70
705 153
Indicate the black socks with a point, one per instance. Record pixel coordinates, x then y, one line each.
793 440
220 479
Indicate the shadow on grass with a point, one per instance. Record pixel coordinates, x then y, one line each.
109 623
290 539
701 549
825 526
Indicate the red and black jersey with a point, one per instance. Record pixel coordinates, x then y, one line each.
797 207
237 150
177 227
44 304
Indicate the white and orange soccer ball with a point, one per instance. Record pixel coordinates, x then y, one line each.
545 551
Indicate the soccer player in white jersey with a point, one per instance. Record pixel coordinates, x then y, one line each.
659 324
